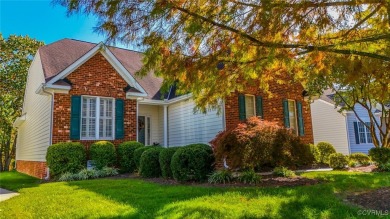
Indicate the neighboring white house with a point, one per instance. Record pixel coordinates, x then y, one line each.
341 128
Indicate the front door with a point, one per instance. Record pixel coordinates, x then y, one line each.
144 130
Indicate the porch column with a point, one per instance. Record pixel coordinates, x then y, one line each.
165 126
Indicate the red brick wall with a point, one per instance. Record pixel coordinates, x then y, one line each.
32 168
96 77
272 106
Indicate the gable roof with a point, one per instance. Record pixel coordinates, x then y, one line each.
59 55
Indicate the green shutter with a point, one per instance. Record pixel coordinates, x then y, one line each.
75 117
119 119
286 114
241 107
301 127
259 106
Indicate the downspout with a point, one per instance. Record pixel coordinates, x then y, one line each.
51 124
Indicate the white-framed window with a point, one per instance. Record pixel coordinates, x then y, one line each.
292 114
364 133
97 118
250 107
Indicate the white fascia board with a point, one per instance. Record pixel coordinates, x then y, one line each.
44 89
135 95
165 102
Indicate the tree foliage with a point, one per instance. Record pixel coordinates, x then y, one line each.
211 48
199 42
16 54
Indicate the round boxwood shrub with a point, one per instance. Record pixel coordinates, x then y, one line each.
103 154
360 159
126 155
381 156
324 150
149 163
193 162
165 161
138 153
65 157
338 161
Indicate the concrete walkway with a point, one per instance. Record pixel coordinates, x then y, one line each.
6 194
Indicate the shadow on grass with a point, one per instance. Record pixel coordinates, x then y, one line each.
318 201
15 181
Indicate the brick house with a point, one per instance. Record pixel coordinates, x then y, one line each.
81 91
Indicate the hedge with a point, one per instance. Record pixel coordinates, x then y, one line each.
149 163
138 153
126 155
165 159
66 157
192 162
103 154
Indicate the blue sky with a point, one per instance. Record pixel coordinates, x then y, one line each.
43 21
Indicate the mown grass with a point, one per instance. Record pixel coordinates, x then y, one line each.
131 198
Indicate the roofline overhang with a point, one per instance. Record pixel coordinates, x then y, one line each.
166 101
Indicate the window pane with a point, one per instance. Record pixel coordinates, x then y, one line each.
362 132
101 128
83 127
92 108
109 108
249 106
101 107
148 126
108 128
92 127
84 108
292 115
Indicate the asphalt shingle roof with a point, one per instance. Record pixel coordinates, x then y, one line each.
57 56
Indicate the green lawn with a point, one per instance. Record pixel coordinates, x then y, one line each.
108 198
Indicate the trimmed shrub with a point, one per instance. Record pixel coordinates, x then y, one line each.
258 143
165 161
126 155
221 176
338 161
381 156
352 163
65 157
138 153
149 163
108 171
193 162
249 177
360 159
324 150
283 172
103 154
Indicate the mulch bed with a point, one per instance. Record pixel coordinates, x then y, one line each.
375 200
265 182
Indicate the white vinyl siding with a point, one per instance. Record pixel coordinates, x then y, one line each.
363 147
97 118
186 127
329 125
250 109
34 134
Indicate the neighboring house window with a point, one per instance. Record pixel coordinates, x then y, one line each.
292 113
364 133
250 106
97 118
